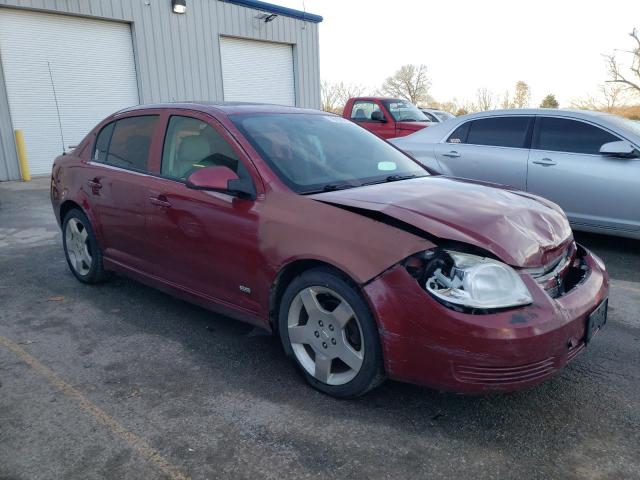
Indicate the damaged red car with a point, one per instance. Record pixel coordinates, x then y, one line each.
366 265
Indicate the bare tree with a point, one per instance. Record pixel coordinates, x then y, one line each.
351 90
627 76
330 97
409 82
335 95
522 95
610 98
506 100
450 106
485 100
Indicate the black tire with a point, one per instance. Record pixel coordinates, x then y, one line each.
371 373
96 272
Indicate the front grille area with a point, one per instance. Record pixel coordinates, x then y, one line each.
563 274
491 375
483 374
574 351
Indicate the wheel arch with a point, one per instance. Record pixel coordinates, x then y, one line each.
83 206
292 270
66 207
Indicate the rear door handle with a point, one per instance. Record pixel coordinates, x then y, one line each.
160 201
545 162
452 154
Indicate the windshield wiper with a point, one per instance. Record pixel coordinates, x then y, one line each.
394 178
330 187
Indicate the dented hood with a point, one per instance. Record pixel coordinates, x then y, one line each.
522 230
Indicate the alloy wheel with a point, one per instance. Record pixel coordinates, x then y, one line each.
77 242
325 335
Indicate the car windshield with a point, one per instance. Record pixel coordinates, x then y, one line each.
313 153
631 125
403 111
443 115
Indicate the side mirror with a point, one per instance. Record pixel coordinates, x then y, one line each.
619 149
378 116
221 179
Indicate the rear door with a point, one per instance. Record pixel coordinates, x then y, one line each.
116 180
203 242
566 167
361 114
494 149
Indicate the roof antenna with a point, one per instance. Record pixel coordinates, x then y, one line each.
55 98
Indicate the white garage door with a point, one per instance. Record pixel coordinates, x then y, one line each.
87 64
255 71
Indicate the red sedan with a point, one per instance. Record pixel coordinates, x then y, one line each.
313 228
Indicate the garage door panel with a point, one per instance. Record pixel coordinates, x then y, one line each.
89 62
254 71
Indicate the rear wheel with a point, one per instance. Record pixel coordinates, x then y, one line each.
81 248
328 330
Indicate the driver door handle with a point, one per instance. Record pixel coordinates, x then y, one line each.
160 201
545 162
451 154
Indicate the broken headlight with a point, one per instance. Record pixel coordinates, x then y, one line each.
474 282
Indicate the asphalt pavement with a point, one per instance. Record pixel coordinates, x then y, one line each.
120 381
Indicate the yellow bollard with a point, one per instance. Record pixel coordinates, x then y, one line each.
22 156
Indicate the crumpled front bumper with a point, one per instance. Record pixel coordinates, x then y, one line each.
426 343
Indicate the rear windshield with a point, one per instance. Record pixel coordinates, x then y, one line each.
315 152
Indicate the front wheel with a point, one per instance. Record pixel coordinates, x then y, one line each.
328 330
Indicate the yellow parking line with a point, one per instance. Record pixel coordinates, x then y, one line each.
137 443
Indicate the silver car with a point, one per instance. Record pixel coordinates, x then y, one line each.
587 162
437 116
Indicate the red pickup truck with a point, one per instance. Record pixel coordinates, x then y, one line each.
386 117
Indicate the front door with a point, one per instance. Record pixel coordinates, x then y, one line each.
492 149
361 114
115 182
203 242
566 167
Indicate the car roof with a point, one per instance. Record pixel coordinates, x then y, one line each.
392 99
225 108
438 131
559 112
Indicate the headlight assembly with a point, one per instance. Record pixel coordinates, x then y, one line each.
474 282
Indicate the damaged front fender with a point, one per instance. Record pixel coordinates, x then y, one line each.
311 230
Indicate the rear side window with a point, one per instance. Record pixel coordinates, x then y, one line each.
459 135
565 135
191 144
131 141
102 143
499 132
362 110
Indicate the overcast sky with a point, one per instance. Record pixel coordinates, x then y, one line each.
554 46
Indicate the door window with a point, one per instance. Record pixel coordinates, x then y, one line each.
459 135
499 132
102 143
191 144
130 142
566 135
362 110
